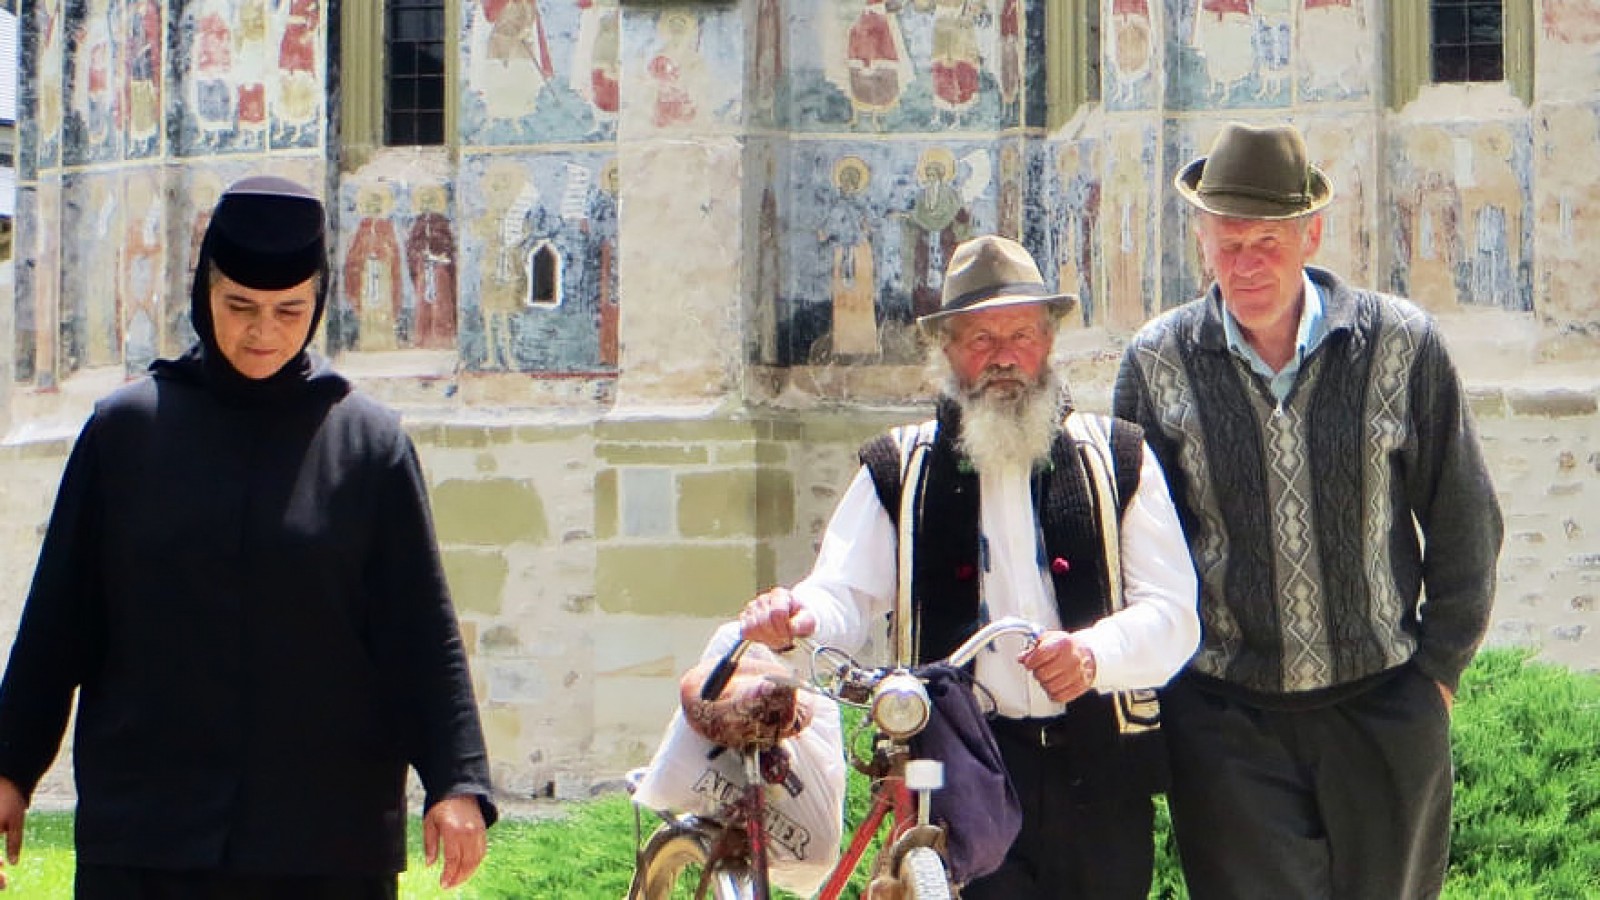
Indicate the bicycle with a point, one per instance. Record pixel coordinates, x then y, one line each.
706 859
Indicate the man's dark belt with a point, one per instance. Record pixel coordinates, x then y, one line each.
1051 732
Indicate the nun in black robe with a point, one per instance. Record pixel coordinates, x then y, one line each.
241 584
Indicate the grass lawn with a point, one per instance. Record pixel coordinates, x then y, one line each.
1527 811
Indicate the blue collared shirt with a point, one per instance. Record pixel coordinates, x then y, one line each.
1312 330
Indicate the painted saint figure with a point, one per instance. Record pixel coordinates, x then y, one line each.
956 60
1011 56
669 69
511 62
297 64
250 63
936 222
846 234
1131 47
213 67
142 89
372 271
878 64
597 63
1225 34
431 263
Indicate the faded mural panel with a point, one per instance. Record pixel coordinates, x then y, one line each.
887 217
92 218
251 76
1130 56
1462 215
1345 149
539 72
874 65
397 284
1334 41
1567 207
91 82
1068 176
1230 54
539 284
143 276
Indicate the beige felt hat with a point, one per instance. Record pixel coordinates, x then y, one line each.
992 271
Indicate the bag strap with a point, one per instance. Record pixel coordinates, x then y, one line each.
1137 710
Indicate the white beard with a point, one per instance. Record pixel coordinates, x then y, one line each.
1001 427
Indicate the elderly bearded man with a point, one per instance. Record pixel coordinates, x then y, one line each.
1007 527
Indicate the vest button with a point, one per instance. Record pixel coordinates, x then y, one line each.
1060 566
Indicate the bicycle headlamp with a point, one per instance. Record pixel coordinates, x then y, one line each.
900 705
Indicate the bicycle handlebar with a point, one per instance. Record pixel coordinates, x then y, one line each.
722 673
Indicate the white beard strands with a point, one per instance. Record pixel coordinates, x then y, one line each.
1009 427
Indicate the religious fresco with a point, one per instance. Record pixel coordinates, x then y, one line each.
1567 201
510 260
910 65
1567 58
91 79
1334 49
252 74
142 278
42 52
1463 222
1230 54
1346 153
396 286
1128 70
1127 225
93 217
542 70
538 289
1068 180
885 219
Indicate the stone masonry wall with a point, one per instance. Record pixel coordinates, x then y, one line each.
591 559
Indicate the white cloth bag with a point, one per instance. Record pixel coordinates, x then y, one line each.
805 817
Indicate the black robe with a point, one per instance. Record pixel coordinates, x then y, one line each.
246 593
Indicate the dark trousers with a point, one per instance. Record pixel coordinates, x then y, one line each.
1345 802
1084 834
125 883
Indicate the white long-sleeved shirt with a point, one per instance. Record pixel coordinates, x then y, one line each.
852 586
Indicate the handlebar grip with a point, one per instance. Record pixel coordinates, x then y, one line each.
718 680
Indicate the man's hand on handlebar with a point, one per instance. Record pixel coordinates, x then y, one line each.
1063 665
776 618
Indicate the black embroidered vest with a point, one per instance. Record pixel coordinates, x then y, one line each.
946 560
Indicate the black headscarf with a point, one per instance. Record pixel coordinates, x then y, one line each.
266 233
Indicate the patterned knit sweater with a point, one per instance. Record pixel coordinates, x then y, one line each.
1336 535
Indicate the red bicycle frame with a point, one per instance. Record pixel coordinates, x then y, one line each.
889 794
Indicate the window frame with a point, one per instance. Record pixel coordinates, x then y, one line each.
363 68
1069 88
1411 50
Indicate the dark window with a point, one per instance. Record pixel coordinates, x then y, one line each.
546 276
414 88
1468 40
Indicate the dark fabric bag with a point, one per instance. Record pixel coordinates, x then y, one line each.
977 806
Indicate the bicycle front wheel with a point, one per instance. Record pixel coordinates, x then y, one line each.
922 875
673 866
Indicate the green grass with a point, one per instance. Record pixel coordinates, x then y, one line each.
1527 811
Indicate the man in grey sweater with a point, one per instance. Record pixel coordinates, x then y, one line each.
1345 532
